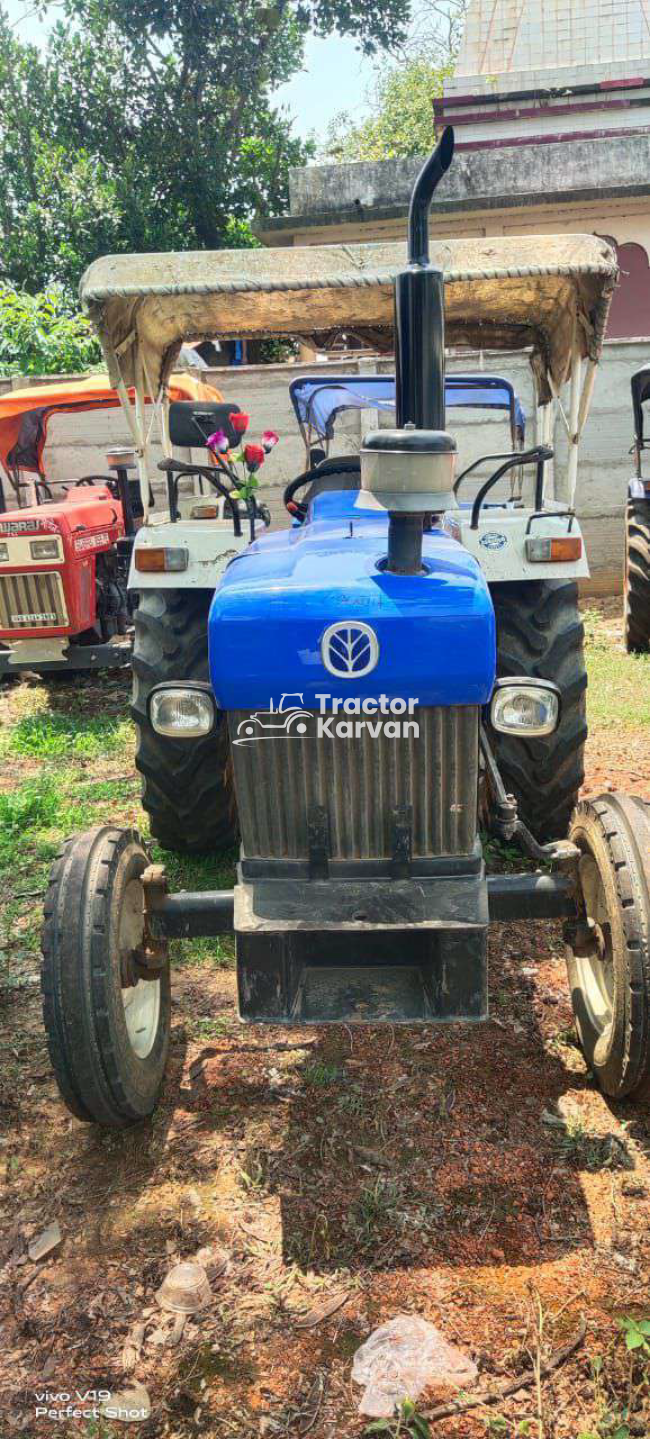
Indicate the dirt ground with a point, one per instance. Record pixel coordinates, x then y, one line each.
473 1176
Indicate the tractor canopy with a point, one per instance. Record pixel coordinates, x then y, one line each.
548 294
317 401
25 414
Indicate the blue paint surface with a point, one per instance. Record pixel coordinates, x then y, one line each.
435 632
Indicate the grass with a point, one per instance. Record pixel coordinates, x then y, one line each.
58 745
47 735
619 684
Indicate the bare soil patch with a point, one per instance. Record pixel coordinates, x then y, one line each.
474 1176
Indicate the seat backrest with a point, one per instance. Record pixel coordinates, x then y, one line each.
192 421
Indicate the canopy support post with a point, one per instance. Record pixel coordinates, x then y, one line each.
141 422
574 428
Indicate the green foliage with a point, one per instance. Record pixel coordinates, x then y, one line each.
402 118
33 805
42 335
619 684
52 735
150 124
637 1335
407 1424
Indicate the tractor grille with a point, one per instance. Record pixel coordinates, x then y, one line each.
32 602
360 781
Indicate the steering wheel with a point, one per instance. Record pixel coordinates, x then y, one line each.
94 479
342 464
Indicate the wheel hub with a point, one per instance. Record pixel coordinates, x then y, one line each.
592 947
140 995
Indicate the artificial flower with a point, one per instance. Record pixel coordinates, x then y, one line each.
239 422
254 456
218 442
269 440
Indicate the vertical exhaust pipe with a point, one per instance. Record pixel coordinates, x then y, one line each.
410 469
420 308
419 345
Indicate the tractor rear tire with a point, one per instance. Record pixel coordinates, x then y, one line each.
637 577
540 634
608 958
187 785
107 1031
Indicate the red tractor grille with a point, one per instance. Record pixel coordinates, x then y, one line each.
32 602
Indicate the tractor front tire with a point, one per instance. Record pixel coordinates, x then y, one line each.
637 577
107 1030
540 634
608 957
187 785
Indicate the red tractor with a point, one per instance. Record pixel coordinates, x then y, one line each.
62 597
64 555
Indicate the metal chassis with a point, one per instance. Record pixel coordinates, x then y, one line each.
356 950
208 913
78 657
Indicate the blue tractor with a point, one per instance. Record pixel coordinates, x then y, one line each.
362 894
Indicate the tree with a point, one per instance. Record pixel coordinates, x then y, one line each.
150 124
436 31
42 335
401 119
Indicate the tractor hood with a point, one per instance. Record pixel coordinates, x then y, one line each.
88 508
311 611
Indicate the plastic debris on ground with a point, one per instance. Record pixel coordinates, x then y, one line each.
401 1359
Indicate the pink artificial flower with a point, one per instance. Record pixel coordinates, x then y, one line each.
269 440
218 442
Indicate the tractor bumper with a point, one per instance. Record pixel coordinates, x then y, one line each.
342 951
40 657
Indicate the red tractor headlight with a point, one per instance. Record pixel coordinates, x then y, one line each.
44 549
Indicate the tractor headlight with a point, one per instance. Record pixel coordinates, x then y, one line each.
529 708
182 711
44 549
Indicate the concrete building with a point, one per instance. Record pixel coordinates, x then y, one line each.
551 107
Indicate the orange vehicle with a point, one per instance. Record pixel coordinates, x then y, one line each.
64 556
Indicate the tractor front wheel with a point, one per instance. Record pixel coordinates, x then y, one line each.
187 785
608 958
540 634
107 1027
637 577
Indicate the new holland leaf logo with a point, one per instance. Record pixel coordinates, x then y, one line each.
350 649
